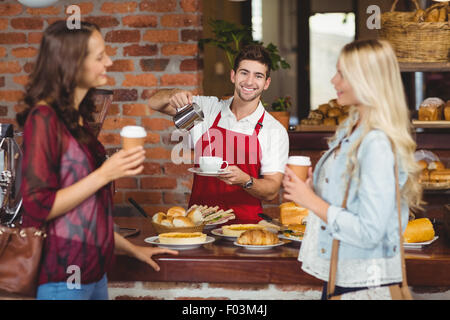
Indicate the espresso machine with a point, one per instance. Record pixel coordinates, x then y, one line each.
10 176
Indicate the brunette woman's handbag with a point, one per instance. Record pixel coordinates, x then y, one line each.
398 291
20 256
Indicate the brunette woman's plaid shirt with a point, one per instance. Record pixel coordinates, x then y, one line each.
52 160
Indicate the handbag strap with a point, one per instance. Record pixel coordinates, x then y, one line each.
335 245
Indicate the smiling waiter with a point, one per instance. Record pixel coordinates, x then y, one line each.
240 131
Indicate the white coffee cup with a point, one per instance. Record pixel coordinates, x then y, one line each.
132 136
300 165
212 164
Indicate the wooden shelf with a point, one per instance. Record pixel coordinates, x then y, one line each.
424 66
442 124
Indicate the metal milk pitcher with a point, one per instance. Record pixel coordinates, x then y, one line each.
186 116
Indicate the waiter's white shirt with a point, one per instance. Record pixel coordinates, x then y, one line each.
273 137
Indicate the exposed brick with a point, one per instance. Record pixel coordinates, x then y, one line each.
157 124
28 67
151 168
24 52
158 183
176 169
27 23
152 138
2 81
49 11
2 52
161 36
191 65
147 93
3 111
12 38
35 37
157 153
111 81
140 21
144 197
85 7
121 66
113 110
123 36
118 7
10 67
176 197
10 9
180 49
119 197
22 80
191 35
113 123
137 110
126 183
109 138
136 50
111 51
103 21
3 24
191 5
11 95
180 80
181 20
125 95
158 5
154 64
141 80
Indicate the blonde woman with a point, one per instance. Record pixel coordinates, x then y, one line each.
368 79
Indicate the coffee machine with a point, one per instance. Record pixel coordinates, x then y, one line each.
10 176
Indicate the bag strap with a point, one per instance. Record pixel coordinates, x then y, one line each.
335 246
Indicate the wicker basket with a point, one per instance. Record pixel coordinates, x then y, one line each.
159 228
416 41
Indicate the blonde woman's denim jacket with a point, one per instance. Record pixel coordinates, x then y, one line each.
368 228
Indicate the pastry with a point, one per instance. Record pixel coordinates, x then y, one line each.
167 222
290 213
419 230
333 103
258 238
440 175
436 165
323 108
329 122
314 122
442 15
419 16
432 16
334 112
342 118
176 211
195 215
423 164
158 217
315 114
431 109
235 230
182 222
424 175
447 111
182 238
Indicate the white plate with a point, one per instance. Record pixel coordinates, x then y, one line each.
262 247
155 240
221 172
418 245
282 236
215 224
218 232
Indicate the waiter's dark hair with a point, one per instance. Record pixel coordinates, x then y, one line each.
254 52
56 72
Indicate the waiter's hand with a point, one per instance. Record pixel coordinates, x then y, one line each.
180 98
235 176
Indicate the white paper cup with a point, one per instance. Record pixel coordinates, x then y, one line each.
132 136
300 165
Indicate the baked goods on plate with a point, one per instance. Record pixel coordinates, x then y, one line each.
235 230
294 232
258 238
290 213
182 238
419 230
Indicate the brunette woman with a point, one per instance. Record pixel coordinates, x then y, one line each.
65 173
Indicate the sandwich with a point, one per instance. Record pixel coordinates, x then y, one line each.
290 213
182 238
219 217
235 230
295 231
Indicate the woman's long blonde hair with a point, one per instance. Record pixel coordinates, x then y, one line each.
371 68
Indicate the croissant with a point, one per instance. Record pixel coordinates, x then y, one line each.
258 238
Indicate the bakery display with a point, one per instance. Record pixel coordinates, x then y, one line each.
435 13
235 230
182 238
258 237
431 109
328 114
290 213
419 230
434 174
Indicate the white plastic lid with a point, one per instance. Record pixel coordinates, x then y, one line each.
133 132
299 161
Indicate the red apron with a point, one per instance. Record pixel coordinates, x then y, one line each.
243 151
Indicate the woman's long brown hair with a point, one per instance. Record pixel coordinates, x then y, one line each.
55 75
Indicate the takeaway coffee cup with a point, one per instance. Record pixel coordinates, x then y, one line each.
132 136
300 166
211 164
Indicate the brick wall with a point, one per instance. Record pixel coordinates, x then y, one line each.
153 44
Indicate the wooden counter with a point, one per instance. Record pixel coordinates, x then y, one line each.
222 262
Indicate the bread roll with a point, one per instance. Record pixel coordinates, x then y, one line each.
423 164
315 114
431 109
290 213
342 118
182 222
182 238
167 222
419 230
424 175
436 165
176 212
333 103
419 16
447 111
334 112
329 122
442 15
432 16
440 175
235 230
258 238
323 108
158 217
195 215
